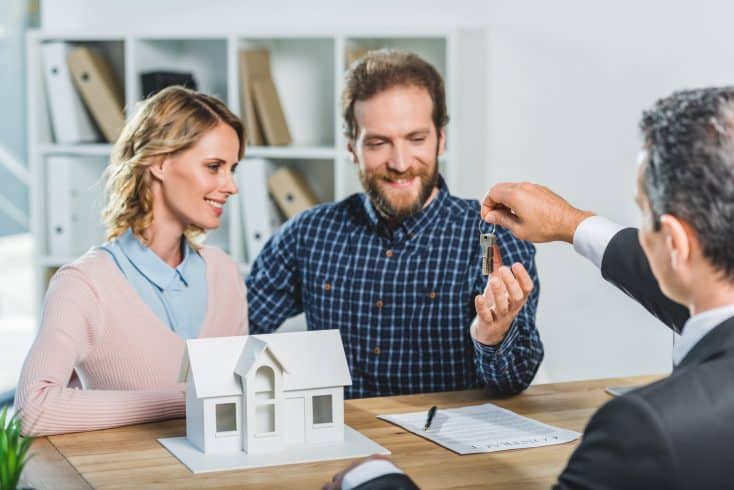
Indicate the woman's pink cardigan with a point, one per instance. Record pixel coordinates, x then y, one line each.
127 360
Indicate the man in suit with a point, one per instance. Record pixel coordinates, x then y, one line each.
674 433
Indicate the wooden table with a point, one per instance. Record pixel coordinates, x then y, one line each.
131 457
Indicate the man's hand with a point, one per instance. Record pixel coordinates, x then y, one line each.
336 481
532 212
506 293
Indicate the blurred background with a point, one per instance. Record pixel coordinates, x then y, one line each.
549 92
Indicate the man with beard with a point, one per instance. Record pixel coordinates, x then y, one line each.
397 269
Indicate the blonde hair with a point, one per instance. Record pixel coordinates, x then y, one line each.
169 122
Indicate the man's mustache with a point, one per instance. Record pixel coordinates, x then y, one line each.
393 175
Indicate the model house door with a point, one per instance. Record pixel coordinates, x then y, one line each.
295 420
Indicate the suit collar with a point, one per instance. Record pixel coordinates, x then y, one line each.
697 327
718 340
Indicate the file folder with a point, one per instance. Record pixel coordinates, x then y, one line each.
270 113
254 63
258 214
74 203
261 107
70 121
291 192
100 90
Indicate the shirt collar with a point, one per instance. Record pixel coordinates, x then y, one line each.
150 265
697 327
413 224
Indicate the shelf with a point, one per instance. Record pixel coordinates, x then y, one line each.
82 149
303 71
308 69
291 152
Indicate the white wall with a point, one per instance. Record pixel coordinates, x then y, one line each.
568 80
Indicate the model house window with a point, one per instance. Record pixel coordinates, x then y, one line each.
264 400
265 419
264 383
322 409
226 417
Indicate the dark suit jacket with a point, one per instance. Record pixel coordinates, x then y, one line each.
672 434
393 481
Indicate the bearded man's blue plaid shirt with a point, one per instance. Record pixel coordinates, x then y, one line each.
403 299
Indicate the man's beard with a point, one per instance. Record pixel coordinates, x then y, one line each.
392 211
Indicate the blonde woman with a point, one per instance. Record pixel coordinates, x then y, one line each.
114 322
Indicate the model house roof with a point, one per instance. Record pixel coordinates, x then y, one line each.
253 349
211 361
313 359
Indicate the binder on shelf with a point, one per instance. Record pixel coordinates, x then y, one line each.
70 121
74 201
99 89
258 216
270 113
254 63
291 192
261 106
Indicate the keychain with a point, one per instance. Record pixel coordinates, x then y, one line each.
487 242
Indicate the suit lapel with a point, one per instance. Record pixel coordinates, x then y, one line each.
718 340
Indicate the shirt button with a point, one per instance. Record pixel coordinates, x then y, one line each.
388 253
379 303
432 295
376 350
327 286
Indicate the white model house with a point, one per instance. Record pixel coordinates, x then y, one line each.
265 393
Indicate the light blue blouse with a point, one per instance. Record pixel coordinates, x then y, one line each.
177 296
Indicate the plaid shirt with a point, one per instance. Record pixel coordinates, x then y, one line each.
403 299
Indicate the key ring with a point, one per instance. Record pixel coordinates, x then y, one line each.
494 227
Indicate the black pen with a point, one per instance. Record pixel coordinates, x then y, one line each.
431 413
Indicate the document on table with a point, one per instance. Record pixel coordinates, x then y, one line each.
482 429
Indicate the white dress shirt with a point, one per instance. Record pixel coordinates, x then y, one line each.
592 237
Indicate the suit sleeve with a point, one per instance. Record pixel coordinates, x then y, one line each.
624 265
624 446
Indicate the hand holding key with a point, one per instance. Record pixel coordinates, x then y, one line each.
532 212
506 293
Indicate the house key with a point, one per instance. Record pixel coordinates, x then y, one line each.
487 242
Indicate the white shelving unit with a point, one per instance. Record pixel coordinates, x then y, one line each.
308 69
